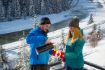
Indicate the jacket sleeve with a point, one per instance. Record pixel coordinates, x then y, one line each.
34 38
77 50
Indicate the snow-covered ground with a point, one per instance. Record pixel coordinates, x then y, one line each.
95 55
92 55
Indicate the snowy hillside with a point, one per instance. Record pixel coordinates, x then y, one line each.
90 54
16 9
82 9
95 55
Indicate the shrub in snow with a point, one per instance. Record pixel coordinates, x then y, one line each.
99 5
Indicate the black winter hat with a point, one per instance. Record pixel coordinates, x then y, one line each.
45 20
74 22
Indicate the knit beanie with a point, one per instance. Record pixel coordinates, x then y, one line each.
45 20
74 22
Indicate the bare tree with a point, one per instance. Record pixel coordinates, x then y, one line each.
63 44
22 63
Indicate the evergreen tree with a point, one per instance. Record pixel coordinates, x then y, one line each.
9 10
23 4
94 27
43 7
31 8
37 6
16 8
90 19
59 4
54 6
48 4
99 5
17 12
65 5
5 5
2 12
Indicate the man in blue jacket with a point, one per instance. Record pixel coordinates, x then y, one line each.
36 38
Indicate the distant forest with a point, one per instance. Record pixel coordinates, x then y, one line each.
16 9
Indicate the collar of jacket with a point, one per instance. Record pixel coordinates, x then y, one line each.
40 30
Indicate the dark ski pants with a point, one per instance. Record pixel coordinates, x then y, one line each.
69 68
39 67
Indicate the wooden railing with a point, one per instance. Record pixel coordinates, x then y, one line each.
85 62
